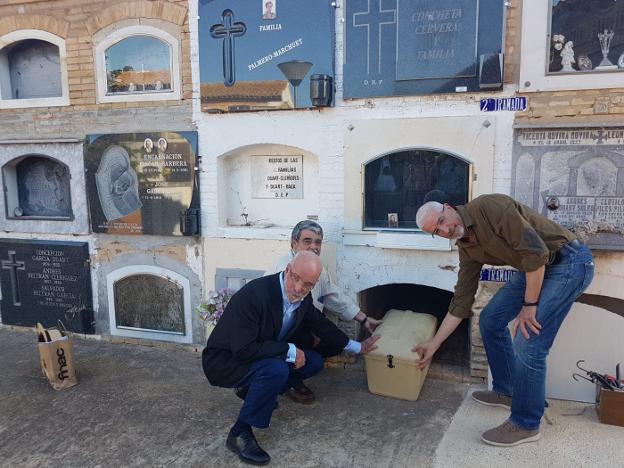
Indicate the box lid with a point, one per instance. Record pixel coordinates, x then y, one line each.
400 331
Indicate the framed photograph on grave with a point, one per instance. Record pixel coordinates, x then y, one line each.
46 281
141 183
393 220
409 47
254 56
574 176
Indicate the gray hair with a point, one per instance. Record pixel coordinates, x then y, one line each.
425 211
305 224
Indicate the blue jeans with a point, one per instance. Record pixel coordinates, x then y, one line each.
519 367
266 379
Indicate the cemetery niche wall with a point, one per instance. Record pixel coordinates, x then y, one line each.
398 48
46 281
265 54
142 183
574 176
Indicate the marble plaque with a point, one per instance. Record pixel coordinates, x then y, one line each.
408 47
438 39
277 177
140 183
261 55
149 302
574 176
46 281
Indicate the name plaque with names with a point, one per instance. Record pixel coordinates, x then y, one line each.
438 39
575 177
46 281
277 177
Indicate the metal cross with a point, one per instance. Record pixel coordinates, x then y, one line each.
227 31
373 20
13 265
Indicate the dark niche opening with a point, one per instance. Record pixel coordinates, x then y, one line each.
149 302
37 187
378 300
397 184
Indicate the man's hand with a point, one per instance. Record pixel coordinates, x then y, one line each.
526 321
369 344
299 359
371 324
426 351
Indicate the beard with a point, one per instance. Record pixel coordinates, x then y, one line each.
458 232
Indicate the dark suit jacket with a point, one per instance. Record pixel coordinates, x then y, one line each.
250 325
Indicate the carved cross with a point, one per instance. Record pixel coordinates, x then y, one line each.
13 265
228 30
373 19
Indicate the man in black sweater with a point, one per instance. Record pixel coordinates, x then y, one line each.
250 349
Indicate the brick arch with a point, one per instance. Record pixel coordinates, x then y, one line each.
163 10
50 24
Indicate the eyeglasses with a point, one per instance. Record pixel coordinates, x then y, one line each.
296 278
438 224
307 242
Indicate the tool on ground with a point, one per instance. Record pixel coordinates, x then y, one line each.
605 381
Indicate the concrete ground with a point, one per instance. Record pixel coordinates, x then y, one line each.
152 406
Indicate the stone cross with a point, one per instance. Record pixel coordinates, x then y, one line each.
13 265
227 31
373 19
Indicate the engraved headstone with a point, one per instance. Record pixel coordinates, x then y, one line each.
574 176
399 48
43 188
243 43
277 176
149 302
46 281
141 183
438 39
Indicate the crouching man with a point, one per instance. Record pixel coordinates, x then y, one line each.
250 347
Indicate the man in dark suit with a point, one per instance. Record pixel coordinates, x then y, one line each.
250 349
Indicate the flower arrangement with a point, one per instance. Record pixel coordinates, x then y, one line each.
212 309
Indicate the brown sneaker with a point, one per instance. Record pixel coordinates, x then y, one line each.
509 434
489 398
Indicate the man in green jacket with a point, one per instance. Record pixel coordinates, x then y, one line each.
554 269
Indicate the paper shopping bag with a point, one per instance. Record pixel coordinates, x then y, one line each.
57 357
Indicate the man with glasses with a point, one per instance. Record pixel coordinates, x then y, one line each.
554 269
252 347
307 236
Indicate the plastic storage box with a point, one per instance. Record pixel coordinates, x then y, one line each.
391 368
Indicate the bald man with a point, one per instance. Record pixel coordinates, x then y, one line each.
554 268
251 348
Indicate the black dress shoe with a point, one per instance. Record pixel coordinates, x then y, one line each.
241 392
247 448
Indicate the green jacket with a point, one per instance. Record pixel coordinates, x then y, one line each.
501 231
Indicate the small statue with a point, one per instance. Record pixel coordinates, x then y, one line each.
567 57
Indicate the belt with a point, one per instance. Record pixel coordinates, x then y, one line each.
555 257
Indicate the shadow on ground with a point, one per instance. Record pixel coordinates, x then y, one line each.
141 406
